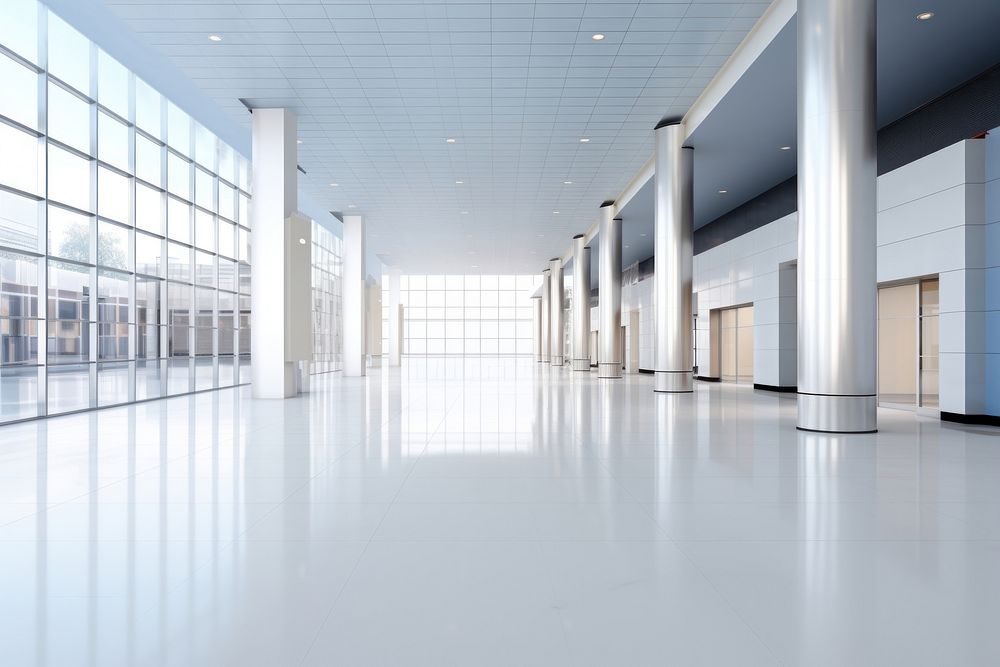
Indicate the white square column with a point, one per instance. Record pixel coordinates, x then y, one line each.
275 181
395 319
354 296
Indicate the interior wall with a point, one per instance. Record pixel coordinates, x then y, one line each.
931 221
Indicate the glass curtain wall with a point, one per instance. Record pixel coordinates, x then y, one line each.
124 232
470 314
327 286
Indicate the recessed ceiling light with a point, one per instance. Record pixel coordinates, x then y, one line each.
722 192
450 140
585 140
350 206
475 266
465 213
459 182
215 38
555 212
628 246
597 36
298 141
786 148
567 182
302 241
334 185
641 234
925 16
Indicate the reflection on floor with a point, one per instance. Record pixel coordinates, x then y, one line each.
493 511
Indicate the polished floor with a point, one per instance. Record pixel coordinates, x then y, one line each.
495 512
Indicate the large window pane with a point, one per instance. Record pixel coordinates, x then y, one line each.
19 221
18 285
19 92
178 130
178 220
148 254
227 201
148 209
69 235
22 167
19 28
205 147
178 262
178 176
113 195
112 84
148 164
112 141
112 315
147 300
69 55
227 239
204 268
204 189
112 383
18 391
68 388
148 111
204 230
68 313
69 179
112 246
69 119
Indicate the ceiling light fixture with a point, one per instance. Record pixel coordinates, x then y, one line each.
641 234
459 182
555 212
350 206
334 185
465 213
722 192
786 148
298 141
597 36
214 38
567 182
925 16
475 266
449 140
585 141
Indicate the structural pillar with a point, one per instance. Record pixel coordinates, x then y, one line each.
536 327
557 324
395 319
580 323
673 253
275 182
609 345
354 296
837 282
545 315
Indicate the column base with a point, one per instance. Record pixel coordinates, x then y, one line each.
609 370
558 360
580 365
837 414
673 382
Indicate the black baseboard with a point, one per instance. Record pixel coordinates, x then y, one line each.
783 389
705 378
646 371
979 420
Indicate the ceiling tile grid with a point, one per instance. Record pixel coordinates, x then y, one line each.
380 86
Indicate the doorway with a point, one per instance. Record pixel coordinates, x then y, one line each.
908 345
736 344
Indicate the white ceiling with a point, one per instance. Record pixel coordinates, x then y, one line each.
378 86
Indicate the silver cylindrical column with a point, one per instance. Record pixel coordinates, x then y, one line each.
557 323
536 328
580 325
673 250
545 316
837 289
609 346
